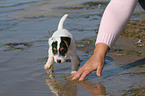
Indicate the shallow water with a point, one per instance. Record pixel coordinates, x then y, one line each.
25 27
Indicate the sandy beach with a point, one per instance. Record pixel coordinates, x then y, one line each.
25 28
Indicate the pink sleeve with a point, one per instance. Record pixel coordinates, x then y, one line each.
114 19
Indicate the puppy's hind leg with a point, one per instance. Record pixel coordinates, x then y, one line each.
75 63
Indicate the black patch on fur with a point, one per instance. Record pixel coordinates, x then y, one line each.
54 47
65 43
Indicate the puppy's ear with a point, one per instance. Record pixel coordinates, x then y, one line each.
66 40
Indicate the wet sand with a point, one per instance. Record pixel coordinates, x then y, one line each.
23 52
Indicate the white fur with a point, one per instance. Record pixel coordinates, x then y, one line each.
71 50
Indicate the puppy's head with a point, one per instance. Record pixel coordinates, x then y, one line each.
60 48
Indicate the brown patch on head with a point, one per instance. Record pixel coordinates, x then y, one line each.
66 43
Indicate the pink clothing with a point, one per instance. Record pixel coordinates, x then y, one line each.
114 19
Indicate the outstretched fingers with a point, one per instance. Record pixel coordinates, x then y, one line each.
84 74
78 74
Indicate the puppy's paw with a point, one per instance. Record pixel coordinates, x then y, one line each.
46 67
73 72
49 69
71 75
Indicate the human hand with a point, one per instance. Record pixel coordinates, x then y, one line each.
95 63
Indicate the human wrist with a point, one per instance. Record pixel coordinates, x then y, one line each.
101 49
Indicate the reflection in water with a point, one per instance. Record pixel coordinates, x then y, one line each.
95 89
61 87
69 88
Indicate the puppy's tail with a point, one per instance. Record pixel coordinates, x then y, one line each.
60 25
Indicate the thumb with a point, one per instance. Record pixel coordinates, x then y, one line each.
99 70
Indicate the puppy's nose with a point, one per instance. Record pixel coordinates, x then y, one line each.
59 61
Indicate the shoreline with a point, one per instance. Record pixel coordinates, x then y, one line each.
132 38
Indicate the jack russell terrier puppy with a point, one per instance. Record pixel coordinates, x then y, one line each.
60 44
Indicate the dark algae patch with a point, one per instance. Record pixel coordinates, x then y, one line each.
77 7
89 5
94 3
21 46
135 30
88 46
125 52
135 92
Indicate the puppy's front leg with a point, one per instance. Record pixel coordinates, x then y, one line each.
49 64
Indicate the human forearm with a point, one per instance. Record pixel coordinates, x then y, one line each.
114 19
